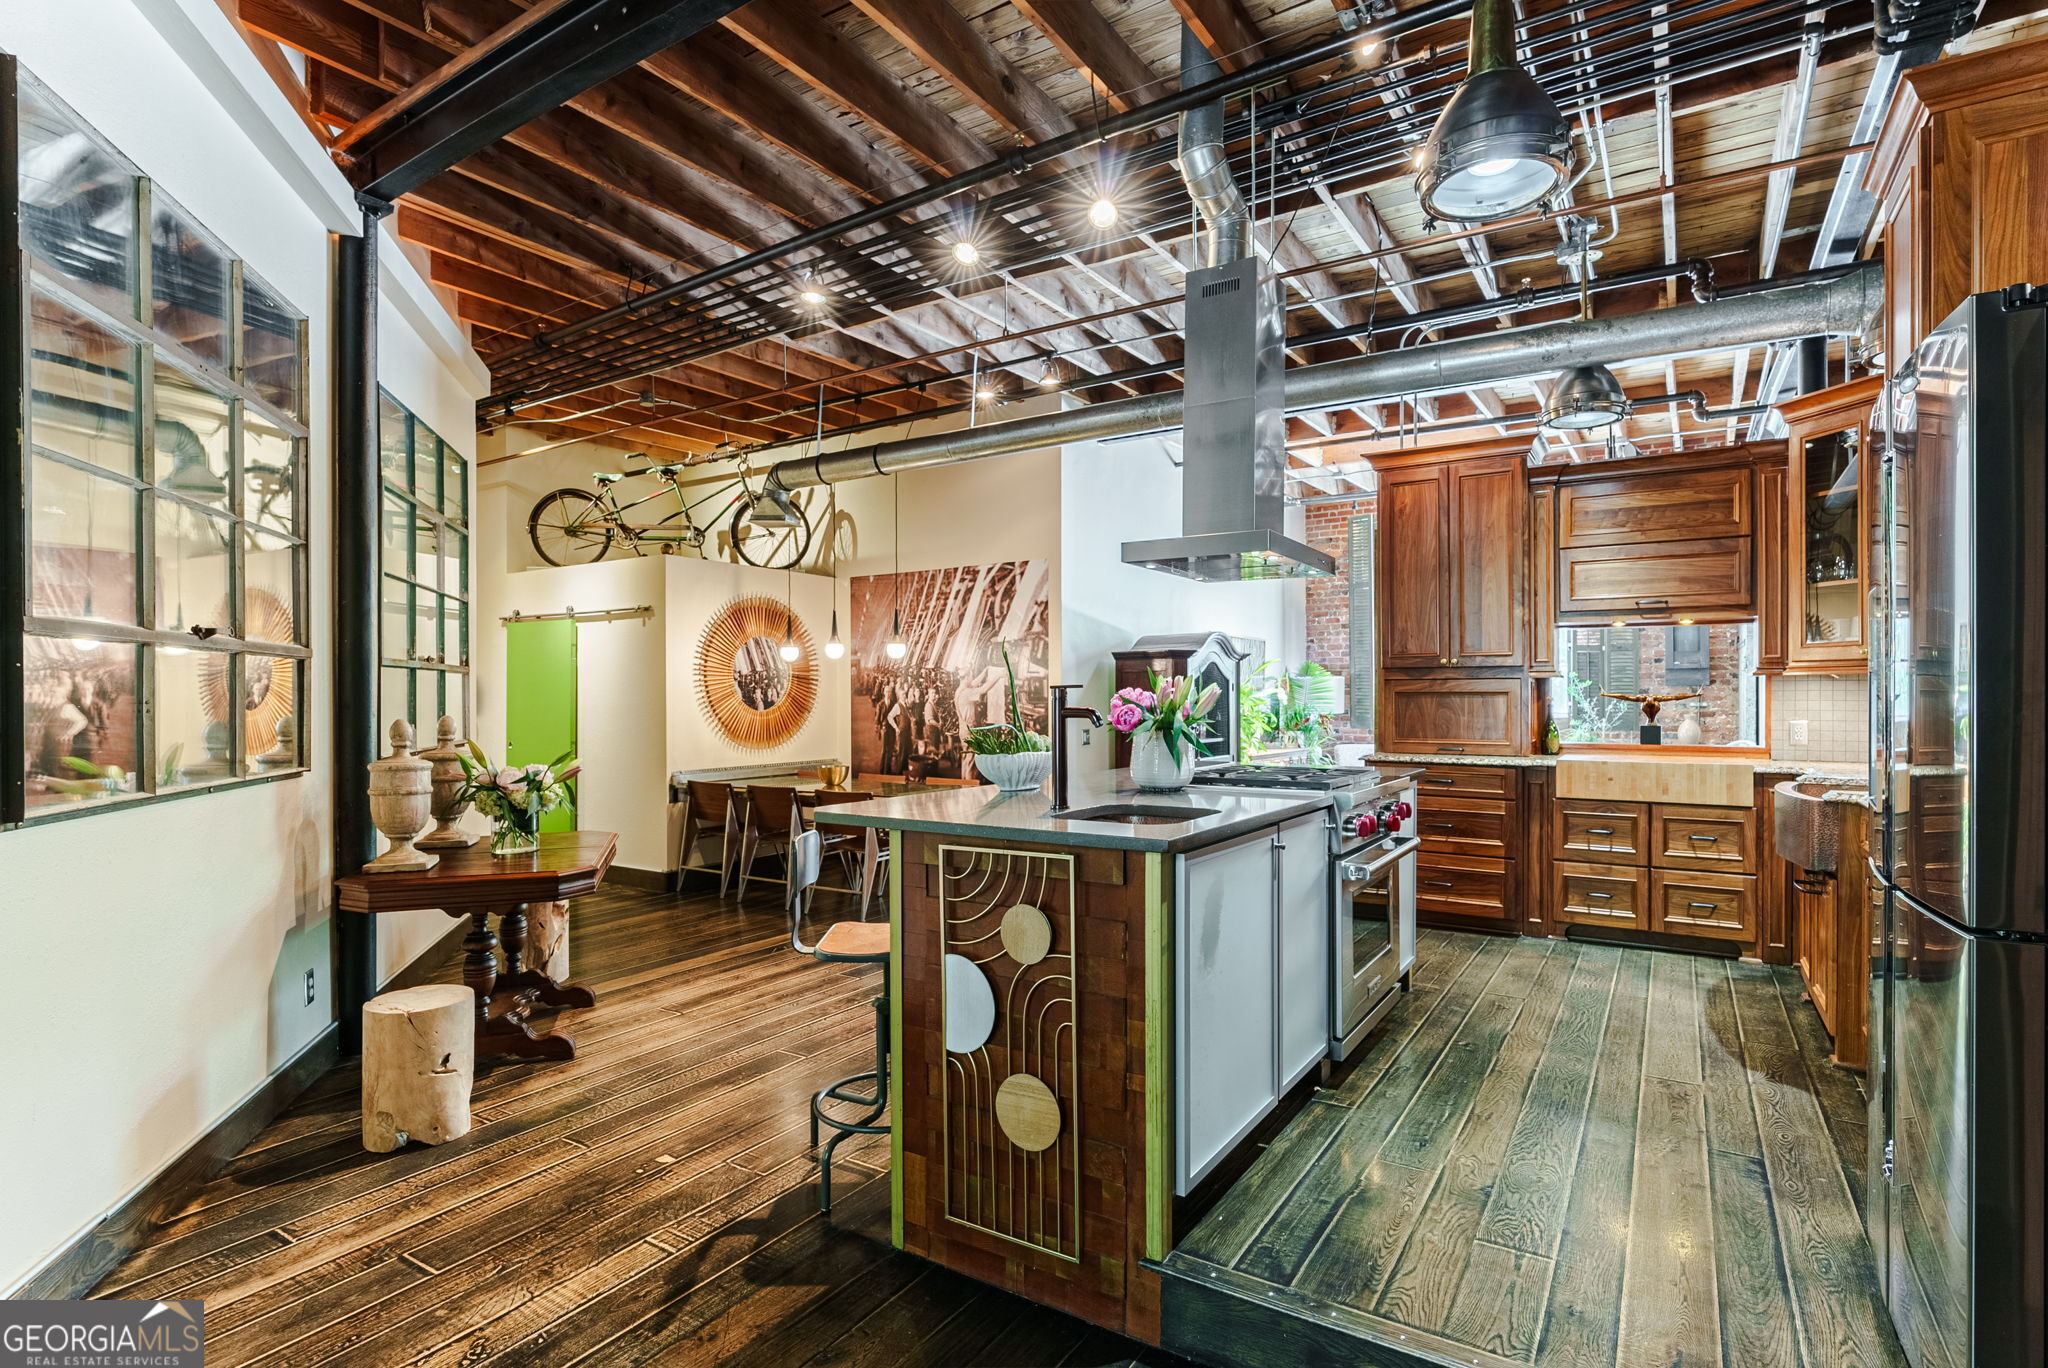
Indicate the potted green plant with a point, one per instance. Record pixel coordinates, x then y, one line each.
1012 758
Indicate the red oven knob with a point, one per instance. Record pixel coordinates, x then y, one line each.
1392 822
1368 824
1404 809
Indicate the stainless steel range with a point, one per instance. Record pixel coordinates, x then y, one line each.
1372 883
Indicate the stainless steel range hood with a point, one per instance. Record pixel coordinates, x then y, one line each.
1234 431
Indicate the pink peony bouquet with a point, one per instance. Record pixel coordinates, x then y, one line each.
516 793
1172 709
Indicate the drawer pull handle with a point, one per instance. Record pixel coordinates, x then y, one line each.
1435 779
1450 750
1599 831
1447 826
1438 883
1703 838
1708 906
1653 603
1604 897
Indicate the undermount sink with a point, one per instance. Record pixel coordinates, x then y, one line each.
1808 829
1137 814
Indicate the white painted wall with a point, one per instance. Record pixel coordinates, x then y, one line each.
1114 492
159 955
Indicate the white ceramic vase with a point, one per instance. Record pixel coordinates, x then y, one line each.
1153 768
1689 728
1020 772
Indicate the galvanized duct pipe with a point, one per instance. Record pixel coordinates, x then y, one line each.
1842 302
1205 161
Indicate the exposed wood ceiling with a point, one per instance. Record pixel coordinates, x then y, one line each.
796 113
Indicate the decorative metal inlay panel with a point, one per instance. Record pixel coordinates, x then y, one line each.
1011 1104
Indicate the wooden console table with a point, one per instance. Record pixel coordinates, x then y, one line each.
474 883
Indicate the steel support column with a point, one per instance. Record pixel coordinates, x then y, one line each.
356 497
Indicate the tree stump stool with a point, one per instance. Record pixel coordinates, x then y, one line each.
419 1060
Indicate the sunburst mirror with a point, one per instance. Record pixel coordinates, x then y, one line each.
751 694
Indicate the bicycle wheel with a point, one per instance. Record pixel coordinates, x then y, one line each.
568 527
770 546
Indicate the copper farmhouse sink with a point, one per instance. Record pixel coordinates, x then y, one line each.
1809 828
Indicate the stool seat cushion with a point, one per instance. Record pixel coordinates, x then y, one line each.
865 939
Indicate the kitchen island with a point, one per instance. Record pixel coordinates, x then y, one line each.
1050 977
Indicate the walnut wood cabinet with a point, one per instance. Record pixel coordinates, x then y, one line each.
1667 868
1960 174
1829 521
1832 920
1454 715
1468 874
1452 570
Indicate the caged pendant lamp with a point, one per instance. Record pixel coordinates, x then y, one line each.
1500 144
1585 397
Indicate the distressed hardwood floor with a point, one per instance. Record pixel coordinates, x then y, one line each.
652 1200
1560 1154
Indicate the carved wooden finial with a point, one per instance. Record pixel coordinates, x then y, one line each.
401 737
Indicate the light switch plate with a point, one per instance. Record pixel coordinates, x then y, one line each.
1797 729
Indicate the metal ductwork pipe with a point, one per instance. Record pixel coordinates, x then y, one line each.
1840 302
1205 162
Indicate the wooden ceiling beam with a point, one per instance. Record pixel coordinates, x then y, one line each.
797 35
1093 46
955 49
1225 29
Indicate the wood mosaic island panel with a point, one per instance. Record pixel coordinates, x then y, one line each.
1030 1073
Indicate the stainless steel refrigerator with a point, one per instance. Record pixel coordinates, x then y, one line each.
1959 777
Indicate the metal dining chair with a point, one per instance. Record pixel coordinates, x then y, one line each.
844 942
709 813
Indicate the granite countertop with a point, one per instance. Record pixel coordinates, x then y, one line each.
1765 766
983 812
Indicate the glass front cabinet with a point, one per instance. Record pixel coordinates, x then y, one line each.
1830 490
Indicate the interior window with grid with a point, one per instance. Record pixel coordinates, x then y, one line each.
424 636
162 584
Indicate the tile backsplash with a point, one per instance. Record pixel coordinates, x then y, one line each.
1836 711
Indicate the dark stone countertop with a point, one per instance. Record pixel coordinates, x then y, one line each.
985 813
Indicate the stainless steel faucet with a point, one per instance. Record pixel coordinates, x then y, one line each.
1061 715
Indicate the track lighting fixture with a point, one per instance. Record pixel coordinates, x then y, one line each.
1500 145
809 292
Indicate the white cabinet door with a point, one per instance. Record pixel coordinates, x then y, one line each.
1305 931
1227 1044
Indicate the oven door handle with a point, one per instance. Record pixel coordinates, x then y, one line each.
1354 873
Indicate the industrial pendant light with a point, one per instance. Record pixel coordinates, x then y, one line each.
1500 144
895 648
1585 397
835 649
790 651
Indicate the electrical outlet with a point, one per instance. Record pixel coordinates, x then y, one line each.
309 987
1797 730
1087 734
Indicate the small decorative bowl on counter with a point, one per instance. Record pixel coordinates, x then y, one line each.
1016 772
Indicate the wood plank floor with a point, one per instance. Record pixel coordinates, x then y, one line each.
1559 1154
652 1200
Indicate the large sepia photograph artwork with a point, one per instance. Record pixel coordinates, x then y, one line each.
909 715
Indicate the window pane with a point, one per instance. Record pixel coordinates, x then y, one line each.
81 544
191 568
270 347
454 631
77 204
191 438
1715 663
426 552
394 441
394 699
270 464
397 619
426 640
81 734
193 689
396 540
269 596
82 378
270 713
454 573
189 278
426 465
454 482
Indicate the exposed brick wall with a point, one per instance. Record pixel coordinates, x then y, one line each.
1329 598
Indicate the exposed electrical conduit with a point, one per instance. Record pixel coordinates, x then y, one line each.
1845 303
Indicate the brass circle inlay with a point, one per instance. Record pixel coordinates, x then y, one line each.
1027 934
1028 1112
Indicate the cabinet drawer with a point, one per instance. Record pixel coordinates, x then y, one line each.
1466 826
1698 904
1461 780
1656 580
1602 833
1675 506
1703 838
1602 895
1455 716
1463 887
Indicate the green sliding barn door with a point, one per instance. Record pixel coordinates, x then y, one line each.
540 699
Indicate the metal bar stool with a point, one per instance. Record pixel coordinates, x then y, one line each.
843 943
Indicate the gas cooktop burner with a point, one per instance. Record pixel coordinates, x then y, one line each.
1315 777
